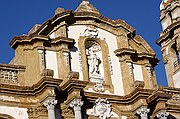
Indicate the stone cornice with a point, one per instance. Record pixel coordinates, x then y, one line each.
167 32
70 17
138 93
33 38
62 16
124 51
11 66
62 39
103 19
43 84
70 84
162 93
26 39
133 53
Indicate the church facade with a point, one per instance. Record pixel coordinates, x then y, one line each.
82 65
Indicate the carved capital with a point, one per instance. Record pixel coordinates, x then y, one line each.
143 112
76 104
162 115
50 103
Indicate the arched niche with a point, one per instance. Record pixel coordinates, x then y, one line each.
97 48
174 54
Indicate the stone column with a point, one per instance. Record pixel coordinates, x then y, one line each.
143 112
162 115
50 105
76 105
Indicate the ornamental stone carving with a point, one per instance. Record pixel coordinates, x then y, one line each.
80 60
50 103
99 87
8 76
34 112
110 65
143 112
91 32
102 109
162 115
175 99
76 104
93 59
66 111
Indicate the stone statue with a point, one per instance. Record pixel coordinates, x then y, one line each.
93 59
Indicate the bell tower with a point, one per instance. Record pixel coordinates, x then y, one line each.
170 40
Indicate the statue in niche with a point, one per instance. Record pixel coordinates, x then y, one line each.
93 59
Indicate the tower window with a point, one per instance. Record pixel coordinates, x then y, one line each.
177 55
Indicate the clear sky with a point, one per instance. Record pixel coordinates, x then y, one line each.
19 16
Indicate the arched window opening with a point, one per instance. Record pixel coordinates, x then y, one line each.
94 61
177 55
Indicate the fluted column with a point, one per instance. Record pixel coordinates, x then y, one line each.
76 105
143 112
162 115
50 105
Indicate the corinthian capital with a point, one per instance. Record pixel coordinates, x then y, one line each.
143 112
50 103
162 115
76 104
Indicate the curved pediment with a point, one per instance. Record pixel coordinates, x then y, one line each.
140 45
84 12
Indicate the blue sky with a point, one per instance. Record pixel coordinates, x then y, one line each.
19 16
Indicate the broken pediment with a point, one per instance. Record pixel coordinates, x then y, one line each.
140 45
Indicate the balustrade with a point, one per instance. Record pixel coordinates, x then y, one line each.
9 73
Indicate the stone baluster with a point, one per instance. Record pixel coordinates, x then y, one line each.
76 105
50 105
143 112
162 115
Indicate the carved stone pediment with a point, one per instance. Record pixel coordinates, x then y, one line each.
102 109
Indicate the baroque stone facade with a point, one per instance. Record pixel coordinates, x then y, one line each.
82 65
